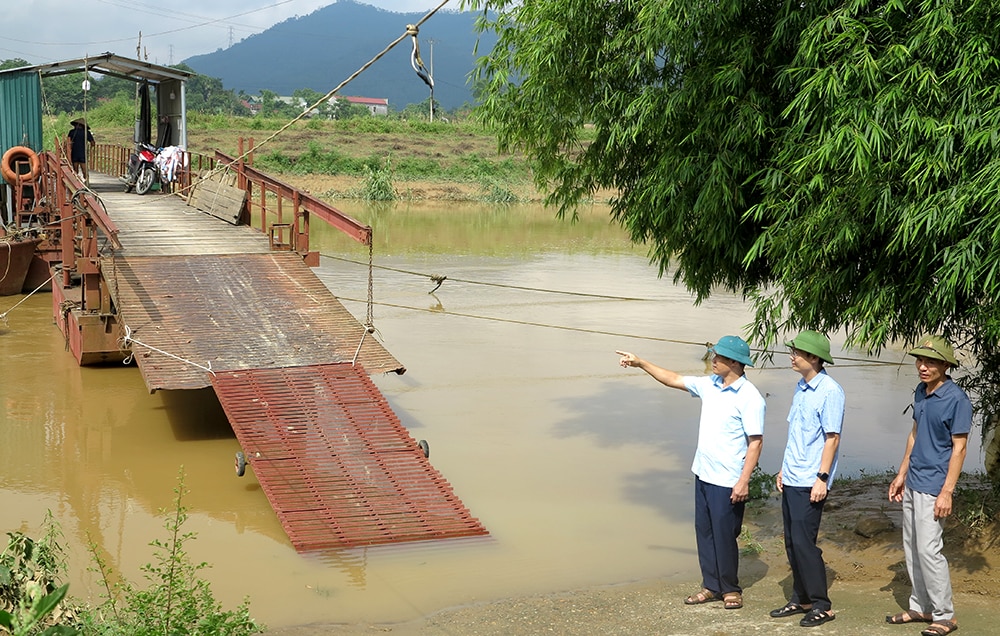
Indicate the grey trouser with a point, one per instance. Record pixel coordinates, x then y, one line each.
926 565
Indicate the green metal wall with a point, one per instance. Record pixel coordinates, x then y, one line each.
20 111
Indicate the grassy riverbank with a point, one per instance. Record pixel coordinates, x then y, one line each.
453 153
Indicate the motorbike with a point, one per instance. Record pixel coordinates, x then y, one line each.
142 171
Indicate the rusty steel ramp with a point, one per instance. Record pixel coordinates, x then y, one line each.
190 315
333 459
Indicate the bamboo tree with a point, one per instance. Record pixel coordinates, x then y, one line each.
834 161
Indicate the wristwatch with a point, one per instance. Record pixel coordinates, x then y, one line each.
823 476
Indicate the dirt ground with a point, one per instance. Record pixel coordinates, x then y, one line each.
867 573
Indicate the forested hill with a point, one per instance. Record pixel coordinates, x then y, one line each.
322 49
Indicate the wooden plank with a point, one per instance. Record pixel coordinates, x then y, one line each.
221 200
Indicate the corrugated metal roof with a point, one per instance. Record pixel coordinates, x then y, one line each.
108 64
335 463
231 312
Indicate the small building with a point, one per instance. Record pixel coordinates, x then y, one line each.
377 106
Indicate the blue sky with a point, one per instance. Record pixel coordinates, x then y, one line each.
42 31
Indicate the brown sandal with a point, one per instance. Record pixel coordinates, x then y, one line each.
704 596
940 628
909 616
733 600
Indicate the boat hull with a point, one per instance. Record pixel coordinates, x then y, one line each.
15 259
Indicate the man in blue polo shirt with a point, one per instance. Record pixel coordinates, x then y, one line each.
730 436
932 463
814 424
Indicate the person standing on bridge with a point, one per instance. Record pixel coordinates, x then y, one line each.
730 437
78 140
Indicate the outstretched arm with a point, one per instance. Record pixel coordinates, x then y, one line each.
664 376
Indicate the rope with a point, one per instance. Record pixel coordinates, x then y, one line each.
600 332
440 280
128 340
10 256
3 316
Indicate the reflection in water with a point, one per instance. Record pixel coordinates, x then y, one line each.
579 469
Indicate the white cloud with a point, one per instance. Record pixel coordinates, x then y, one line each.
42 31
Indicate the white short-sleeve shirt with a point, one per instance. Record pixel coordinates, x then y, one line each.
729 416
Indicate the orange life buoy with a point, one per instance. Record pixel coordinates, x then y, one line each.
16 155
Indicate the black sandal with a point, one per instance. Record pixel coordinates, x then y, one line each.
789 610
815 618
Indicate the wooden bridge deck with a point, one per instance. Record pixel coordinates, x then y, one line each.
214 295
207 303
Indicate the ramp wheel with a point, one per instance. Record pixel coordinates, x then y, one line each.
424 447
241 464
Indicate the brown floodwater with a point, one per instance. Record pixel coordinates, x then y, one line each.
579 469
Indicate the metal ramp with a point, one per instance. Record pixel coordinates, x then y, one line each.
334 461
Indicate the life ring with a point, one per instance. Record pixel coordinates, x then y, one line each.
19 154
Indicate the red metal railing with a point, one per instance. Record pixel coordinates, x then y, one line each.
282 211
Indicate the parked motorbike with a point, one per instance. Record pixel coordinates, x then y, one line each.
142 171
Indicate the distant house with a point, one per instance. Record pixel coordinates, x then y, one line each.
251 105
378 106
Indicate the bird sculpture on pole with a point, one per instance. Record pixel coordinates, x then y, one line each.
418 64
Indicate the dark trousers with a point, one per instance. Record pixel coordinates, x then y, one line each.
802 518
717 526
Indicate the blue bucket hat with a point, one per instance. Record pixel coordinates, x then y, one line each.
734 348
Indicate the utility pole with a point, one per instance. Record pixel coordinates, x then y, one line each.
430 41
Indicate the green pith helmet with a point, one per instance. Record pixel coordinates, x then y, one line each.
734 348
936 348
812 342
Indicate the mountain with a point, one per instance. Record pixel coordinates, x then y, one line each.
324 48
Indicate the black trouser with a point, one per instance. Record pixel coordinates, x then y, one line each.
802 518
717 524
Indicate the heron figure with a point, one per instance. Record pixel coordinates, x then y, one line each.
416 62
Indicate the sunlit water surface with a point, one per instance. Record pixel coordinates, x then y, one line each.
578 468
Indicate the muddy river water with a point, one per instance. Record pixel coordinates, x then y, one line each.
578 468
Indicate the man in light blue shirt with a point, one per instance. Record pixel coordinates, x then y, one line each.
814 425
730 436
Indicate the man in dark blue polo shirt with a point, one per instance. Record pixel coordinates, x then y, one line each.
935 452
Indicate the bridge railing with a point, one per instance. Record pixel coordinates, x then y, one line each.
284 211
280 210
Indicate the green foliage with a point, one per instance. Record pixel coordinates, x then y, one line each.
751 546
835 162
977 504
31 599
378 183
761 484
207 95
175 600
496 192
14 62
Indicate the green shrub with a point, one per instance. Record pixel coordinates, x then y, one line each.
761 484
378 183
175 601
31 599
